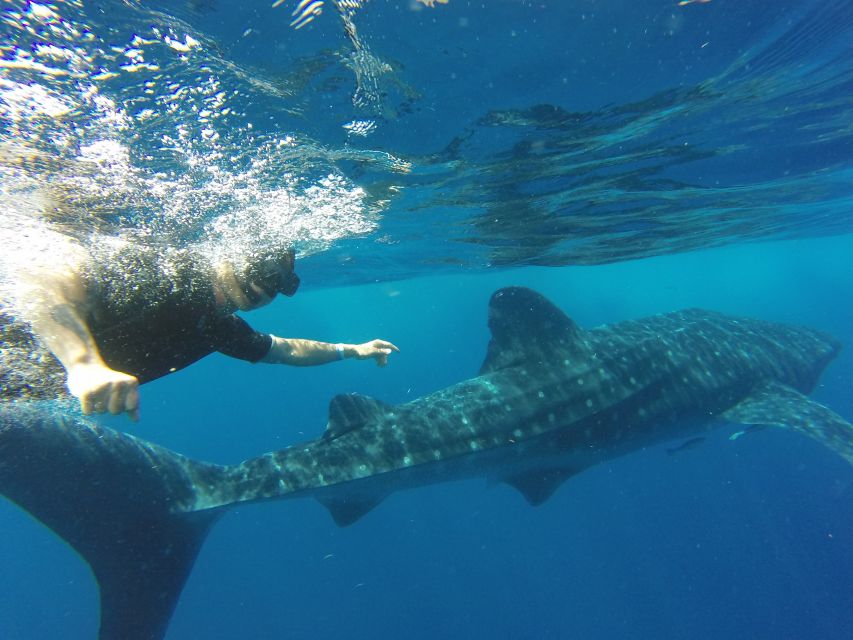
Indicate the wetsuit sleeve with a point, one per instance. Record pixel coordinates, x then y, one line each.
235 338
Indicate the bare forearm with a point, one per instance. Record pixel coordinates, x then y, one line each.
56 315
65 333
99 388
305 353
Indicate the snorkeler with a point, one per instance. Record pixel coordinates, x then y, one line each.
115 323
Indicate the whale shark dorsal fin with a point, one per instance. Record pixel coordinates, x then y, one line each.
526 326
350 411
538 486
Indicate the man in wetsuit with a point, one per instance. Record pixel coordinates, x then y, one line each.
120 322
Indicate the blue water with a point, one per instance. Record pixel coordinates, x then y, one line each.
751 538
743 539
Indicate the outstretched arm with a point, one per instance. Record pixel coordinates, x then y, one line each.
306 353
57 318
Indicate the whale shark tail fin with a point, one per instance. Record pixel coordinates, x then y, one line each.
127 507
142 575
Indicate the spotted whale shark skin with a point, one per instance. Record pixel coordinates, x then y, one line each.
550 400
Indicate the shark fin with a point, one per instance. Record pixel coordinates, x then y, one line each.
351 411
346 511
141 572
527 326
775 404
538 486
123 505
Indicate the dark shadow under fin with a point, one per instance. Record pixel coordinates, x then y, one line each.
527 327
346 511
777 405
538 486
352 411
119 502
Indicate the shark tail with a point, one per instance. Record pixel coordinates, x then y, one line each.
124 505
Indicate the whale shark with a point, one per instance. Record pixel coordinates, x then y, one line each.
550 400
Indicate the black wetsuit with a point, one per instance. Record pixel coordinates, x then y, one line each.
150 316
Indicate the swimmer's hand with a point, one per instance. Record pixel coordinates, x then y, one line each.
379 350
100 389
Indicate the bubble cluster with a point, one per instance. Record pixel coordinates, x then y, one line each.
137 130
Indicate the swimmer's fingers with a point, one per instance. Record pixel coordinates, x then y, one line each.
95 400
87 403
115 399
123 396
388 347
383 349
379 350
131 403
100 389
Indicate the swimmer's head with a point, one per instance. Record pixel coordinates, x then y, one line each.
271 272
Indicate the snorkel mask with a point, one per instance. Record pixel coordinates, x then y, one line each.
271 272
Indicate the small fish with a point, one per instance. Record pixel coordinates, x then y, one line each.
684 3
750 429
684 446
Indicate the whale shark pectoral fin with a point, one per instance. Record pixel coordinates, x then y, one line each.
778 405
525 327
350 411
538 486
346 511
